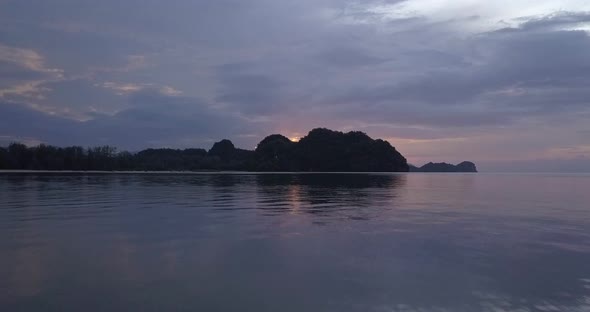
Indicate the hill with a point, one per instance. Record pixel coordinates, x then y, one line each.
330 151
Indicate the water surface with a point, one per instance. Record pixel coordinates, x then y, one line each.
294 242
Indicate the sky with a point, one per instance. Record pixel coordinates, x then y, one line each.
502 83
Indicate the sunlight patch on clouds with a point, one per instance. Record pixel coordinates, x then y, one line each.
64 112
580 27
128 88
428 141
28 59
476 15
28 141
122 88
167 90
31 89
569 152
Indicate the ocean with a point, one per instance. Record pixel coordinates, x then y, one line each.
294 242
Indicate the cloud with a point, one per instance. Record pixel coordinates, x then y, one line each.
558 21
152 118
510 76
158 119
23 73
134 62
128 88
249 93
27 124
26 58
346 57
425 72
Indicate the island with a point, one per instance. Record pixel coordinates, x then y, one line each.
321 150
465 166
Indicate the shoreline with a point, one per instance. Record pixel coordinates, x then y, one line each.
194 172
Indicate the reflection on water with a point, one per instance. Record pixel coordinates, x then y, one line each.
294 242
348 195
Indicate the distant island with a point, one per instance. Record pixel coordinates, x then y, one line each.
321 150
465 166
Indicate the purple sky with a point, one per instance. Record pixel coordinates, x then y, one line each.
504 84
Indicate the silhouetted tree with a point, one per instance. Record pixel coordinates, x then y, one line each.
19 156
3 158
75 158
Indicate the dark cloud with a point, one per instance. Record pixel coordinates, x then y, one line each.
152 119
25 122
249 93
346 57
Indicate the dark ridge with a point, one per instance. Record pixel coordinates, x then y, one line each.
321 150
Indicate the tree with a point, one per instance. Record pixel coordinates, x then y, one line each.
19 156
3 158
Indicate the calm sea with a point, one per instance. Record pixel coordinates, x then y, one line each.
294 242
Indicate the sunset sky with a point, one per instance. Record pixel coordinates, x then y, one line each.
505 84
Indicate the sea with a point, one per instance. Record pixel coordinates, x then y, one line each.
294 242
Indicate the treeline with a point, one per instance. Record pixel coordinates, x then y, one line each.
320 150
45 157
